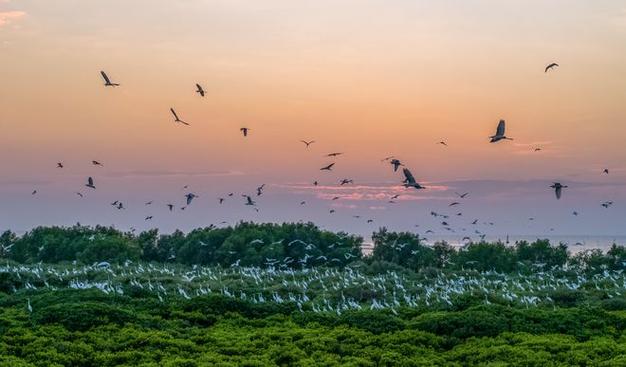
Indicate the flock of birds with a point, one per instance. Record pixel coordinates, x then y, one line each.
409 181
316 289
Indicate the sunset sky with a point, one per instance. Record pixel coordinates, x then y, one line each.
364 77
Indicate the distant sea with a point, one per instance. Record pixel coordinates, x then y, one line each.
576 243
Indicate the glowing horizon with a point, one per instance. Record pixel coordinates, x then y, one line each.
368 78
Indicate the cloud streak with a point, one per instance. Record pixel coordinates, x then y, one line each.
7 17
367 192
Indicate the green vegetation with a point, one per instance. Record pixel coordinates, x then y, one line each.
291 245
258 295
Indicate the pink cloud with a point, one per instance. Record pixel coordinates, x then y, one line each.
7 17
366 192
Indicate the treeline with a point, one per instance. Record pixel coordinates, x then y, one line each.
406 250
247 244
292 245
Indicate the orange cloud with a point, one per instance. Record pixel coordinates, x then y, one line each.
7 17
366 192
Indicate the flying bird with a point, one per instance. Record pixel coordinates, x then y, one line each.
107 81
199 90
443 143
499 133
327 168
34 192
170 207
396 163
607 204
606 171
307 142
259 190
551 66
244 131
190 196
333 154
409 180
345 181
176 119
90 183
557 189
249 200
79 194
149 217
96 163
462 196
59 165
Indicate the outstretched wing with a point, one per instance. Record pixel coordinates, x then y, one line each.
200 90
500 130
105 77
174 113
408 176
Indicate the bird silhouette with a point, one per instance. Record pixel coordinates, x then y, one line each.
396 163
107 81
199 90
249 200
327 168
308 142
176 118
333 154
499 133
550 67
190 196
90 183
96 163
244 131
59 165
409 180
558 188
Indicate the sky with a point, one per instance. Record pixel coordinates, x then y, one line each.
368 78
